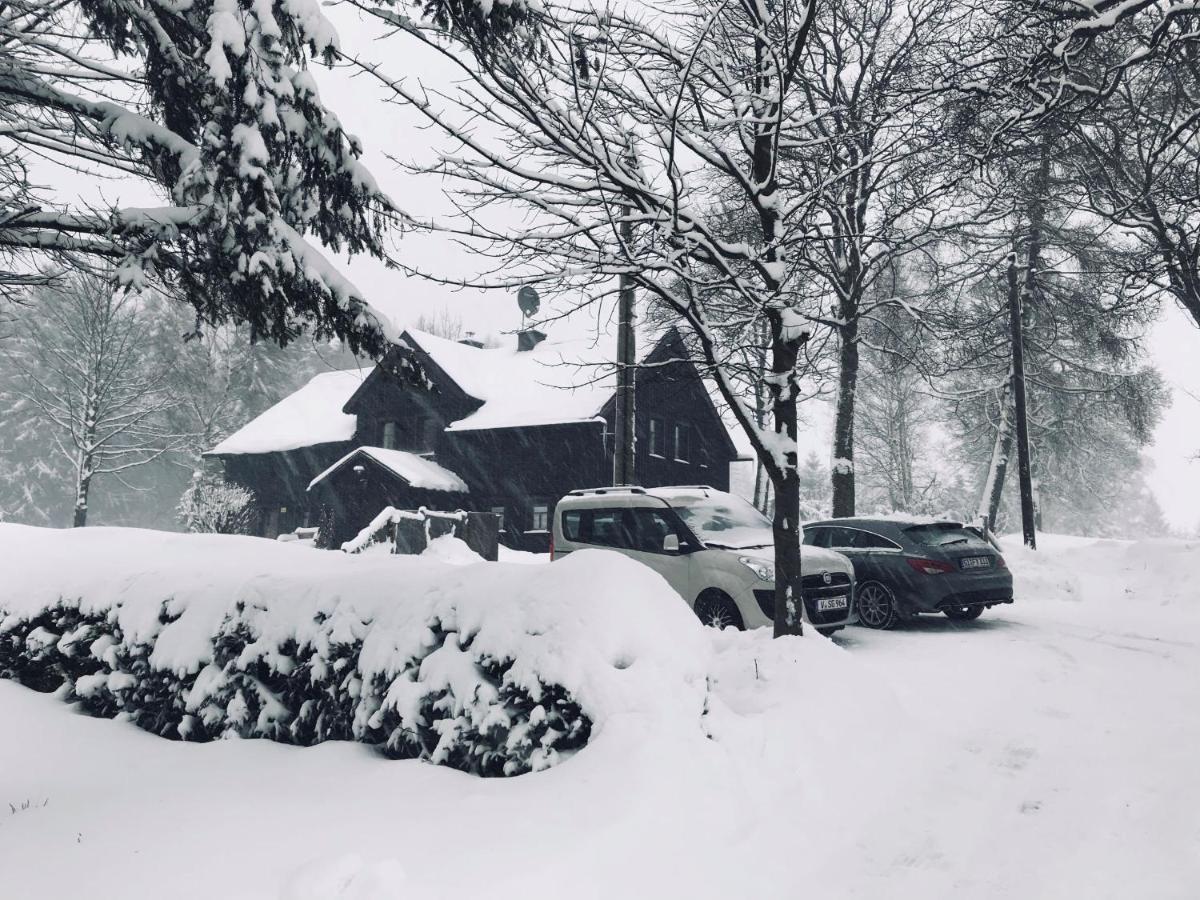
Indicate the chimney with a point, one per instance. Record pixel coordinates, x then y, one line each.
470 341
528 339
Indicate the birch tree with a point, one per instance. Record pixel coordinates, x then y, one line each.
80 371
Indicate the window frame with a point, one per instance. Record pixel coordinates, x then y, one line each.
679 429
389 435
658 437
546 512
888 543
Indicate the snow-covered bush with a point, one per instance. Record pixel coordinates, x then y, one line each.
211 505
491 668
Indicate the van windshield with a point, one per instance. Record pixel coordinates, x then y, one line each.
723 520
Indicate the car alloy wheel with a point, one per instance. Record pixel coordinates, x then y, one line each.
876 606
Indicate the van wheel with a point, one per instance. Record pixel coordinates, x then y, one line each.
877 607
717 609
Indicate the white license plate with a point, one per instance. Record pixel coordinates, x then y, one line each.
824 604
977 562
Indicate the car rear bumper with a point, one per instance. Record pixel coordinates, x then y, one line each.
962 590
975 598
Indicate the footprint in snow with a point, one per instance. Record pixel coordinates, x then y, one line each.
1017 758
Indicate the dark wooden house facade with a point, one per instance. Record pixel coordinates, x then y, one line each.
452 425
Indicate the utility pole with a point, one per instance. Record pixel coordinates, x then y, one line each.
623 428
623 415
1020 414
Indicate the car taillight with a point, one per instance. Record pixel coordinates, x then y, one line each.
929 566
1000 563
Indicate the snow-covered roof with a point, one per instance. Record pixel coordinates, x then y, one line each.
311 415
418 471
551 384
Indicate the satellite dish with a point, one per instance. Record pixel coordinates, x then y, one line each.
529 301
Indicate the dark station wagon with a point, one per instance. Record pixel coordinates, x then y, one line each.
904 567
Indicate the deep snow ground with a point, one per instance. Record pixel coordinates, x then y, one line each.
1049 750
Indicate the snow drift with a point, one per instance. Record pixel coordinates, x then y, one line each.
492 668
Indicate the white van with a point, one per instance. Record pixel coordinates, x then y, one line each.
713 548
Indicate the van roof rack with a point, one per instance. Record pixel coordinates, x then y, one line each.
614 489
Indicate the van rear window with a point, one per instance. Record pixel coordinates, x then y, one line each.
571 520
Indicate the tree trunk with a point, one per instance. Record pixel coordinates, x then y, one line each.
785 529
843 429
623 426
1021 308
762 479
785 478
83 484
1028 527
993 485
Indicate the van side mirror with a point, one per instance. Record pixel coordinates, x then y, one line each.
671 543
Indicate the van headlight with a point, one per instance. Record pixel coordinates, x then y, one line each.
760 567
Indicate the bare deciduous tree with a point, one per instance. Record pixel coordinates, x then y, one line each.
605 123
80 364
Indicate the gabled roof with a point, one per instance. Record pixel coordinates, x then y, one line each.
417 471
551 384
554 383
311 415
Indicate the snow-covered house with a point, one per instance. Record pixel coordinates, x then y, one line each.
451 424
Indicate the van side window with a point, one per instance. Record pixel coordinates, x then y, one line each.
601 527
653 526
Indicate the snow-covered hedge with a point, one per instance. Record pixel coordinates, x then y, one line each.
491 668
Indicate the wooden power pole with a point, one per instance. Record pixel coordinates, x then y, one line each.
623 416
1019 409
623 426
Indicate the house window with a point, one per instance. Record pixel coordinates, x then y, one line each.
658 437
541 517
498 512
702 455
389 435
429 432
682 437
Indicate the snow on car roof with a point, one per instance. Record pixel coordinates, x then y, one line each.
900 519
418 471
311 415
553 383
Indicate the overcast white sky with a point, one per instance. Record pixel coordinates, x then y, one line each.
386 129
